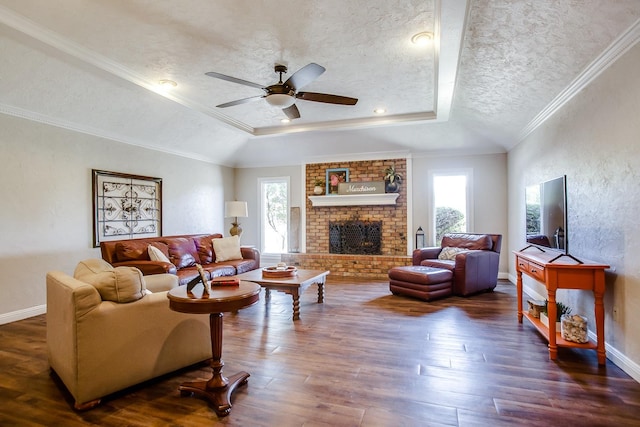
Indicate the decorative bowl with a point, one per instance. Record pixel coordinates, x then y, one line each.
275 272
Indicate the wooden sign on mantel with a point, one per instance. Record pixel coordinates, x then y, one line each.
365 187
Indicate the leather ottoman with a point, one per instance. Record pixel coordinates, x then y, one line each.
425 283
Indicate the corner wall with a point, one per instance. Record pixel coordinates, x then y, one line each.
593 140
45 192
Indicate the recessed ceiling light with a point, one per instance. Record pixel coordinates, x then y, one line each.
285 121
422 39
379 111
167 83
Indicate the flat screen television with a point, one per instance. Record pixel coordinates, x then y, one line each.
546 210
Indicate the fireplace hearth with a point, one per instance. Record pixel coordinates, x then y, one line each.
355 237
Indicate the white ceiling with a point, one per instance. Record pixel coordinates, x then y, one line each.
496 69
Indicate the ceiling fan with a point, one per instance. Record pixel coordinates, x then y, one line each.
284 95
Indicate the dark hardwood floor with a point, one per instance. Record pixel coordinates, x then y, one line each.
363 358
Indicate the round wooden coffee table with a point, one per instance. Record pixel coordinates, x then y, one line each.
218 389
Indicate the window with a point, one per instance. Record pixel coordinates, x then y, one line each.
451 204
274 214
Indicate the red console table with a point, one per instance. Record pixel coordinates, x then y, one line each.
562 272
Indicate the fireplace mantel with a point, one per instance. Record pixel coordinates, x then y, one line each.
354 200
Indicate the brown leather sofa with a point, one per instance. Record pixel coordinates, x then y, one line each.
474 263
183 251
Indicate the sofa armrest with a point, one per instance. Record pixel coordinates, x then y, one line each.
149 267
475 271
68 299
425 253
250 252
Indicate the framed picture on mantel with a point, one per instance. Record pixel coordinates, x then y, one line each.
334 177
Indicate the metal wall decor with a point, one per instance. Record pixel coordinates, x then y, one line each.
125 206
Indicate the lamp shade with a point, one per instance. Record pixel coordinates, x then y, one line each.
235 209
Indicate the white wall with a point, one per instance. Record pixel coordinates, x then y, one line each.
246 189
489 194
594 140
489 188
46 206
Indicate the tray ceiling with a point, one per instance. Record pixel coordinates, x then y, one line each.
95 67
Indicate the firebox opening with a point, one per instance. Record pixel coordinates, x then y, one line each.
355 237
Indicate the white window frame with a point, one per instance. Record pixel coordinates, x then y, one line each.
468 172
266 180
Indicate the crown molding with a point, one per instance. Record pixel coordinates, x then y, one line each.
88 130
448 35
610 55
62 44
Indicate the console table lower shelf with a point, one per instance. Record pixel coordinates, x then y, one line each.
560 342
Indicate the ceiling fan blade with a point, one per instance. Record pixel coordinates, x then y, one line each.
292 112
234 80
327 98
240 101
305 75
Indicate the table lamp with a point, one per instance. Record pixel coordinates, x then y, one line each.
235 210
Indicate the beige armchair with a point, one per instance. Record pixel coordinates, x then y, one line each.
97 347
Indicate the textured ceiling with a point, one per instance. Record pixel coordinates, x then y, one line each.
494 66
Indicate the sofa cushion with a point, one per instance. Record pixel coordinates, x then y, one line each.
155 254
227 248
480 242
119 284
132 251
205 248
450 253
182 252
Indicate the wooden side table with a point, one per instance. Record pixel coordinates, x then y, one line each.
563 272
218 389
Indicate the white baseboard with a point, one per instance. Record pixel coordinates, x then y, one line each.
613 354
25 313
620 360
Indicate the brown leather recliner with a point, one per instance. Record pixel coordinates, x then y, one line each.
473 259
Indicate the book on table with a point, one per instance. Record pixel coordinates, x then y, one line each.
225 281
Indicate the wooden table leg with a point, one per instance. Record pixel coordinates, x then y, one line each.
519 294
296 304
321 291
551 314
218 389
598 294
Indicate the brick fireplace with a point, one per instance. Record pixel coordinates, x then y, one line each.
393 220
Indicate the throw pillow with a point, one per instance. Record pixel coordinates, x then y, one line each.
156 254
120 284
227 248
449 253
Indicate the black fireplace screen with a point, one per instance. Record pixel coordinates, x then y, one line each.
355 237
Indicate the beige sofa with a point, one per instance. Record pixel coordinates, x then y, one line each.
97 347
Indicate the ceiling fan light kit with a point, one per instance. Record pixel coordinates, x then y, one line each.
284 95
280 100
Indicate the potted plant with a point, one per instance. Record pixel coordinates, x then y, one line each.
392 179
560 310
318 186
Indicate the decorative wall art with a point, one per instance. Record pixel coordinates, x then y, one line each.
333 179
125 206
